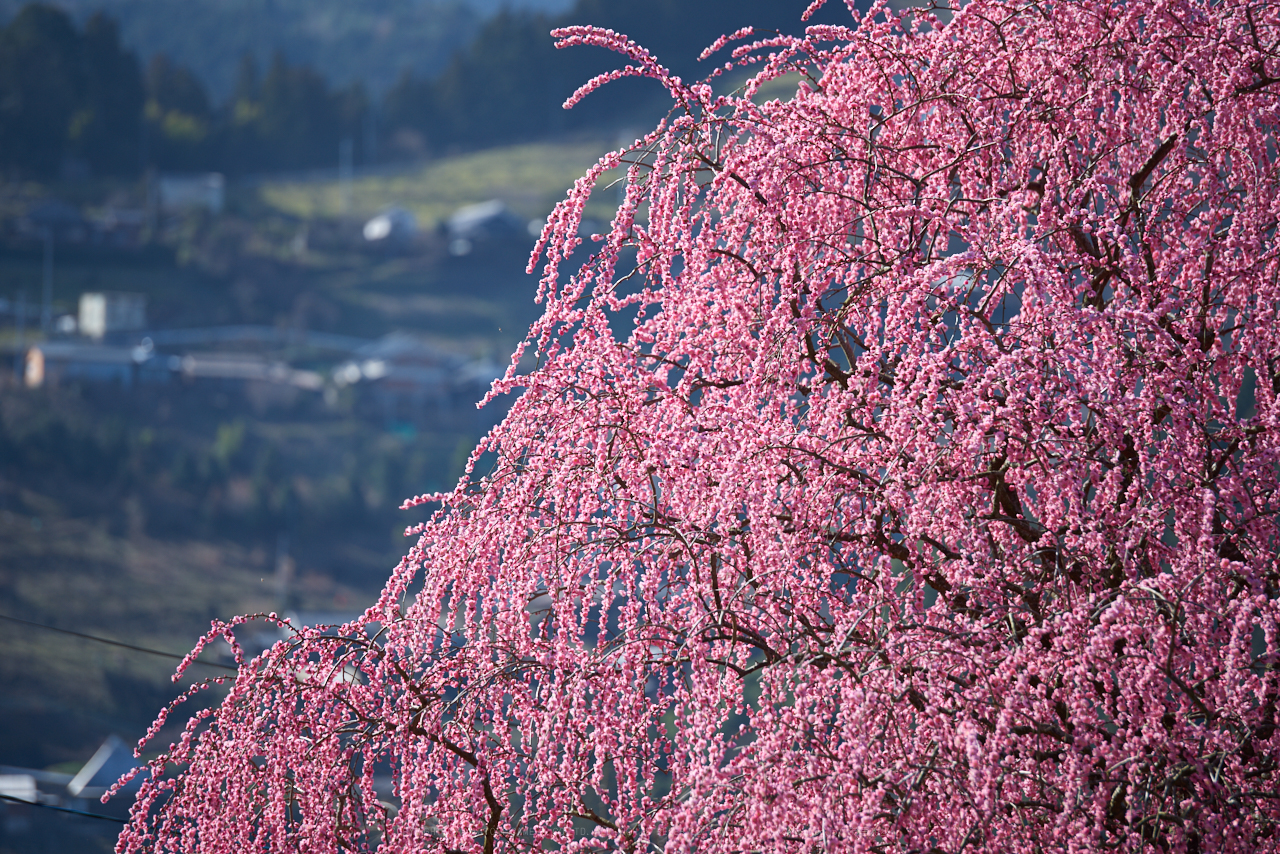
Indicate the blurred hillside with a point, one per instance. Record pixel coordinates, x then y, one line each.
347 41
292 383
255 87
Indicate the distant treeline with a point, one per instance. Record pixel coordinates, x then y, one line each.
74 99
67 94
509 83
349 40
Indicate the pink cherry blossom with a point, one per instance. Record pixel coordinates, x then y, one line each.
900 474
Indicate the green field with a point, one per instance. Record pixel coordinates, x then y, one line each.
529 178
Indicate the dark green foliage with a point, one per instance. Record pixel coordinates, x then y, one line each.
366 40
69 97
173 87
67 94
509 83
212 475
106 132
179 118
503 86
299 121
42 83
289 119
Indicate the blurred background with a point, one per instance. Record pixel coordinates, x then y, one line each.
258 261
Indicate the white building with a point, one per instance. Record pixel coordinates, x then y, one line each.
101 313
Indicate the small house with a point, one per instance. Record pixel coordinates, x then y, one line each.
110 311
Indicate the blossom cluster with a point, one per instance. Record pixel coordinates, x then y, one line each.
900 474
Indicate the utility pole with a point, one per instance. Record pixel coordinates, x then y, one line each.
19 361
370 136
285 566
344 175
46 308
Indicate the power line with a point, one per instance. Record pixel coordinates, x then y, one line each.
114 643
65 809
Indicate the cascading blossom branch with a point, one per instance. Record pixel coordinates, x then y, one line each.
900 474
